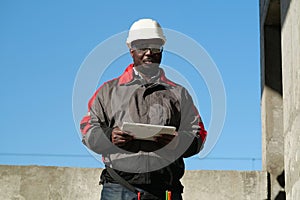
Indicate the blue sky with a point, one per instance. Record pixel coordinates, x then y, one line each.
44 43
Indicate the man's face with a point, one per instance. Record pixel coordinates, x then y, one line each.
146 56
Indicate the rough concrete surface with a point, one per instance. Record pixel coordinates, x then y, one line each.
57 183
271 96
282 17
290 40
61 183
225 185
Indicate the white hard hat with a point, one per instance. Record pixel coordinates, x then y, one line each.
144 29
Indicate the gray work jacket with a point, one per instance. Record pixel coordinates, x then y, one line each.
129 98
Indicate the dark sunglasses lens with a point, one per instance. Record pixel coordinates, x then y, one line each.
153 50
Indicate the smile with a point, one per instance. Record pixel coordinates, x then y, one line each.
148 61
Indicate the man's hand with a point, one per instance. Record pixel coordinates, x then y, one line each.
165 139
119 137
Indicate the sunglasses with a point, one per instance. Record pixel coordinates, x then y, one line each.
144 49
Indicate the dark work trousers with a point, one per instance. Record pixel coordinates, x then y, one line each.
113 191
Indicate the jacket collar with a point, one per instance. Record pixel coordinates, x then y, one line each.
128 76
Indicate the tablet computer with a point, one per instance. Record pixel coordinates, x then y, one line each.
146 131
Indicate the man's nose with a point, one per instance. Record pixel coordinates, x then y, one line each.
148 52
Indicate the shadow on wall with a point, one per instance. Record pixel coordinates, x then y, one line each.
285 5
281 194
272 71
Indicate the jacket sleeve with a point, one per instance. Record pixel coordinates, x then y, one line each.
191 126
96 134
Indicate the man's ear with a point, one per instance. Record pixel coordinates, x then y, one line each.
131 52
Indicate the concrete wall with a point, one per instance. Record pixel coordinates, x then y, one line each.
290 41
225 185
58 183
42 183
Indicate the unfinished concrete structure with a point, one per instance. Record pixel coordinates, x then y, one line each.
280 103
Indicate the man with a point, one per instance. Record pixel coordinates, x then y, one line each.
138 168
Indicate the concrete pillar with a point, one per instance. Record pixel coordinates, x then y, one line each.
272 99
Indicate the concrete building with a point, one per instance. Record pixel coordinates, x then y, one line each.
280 105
